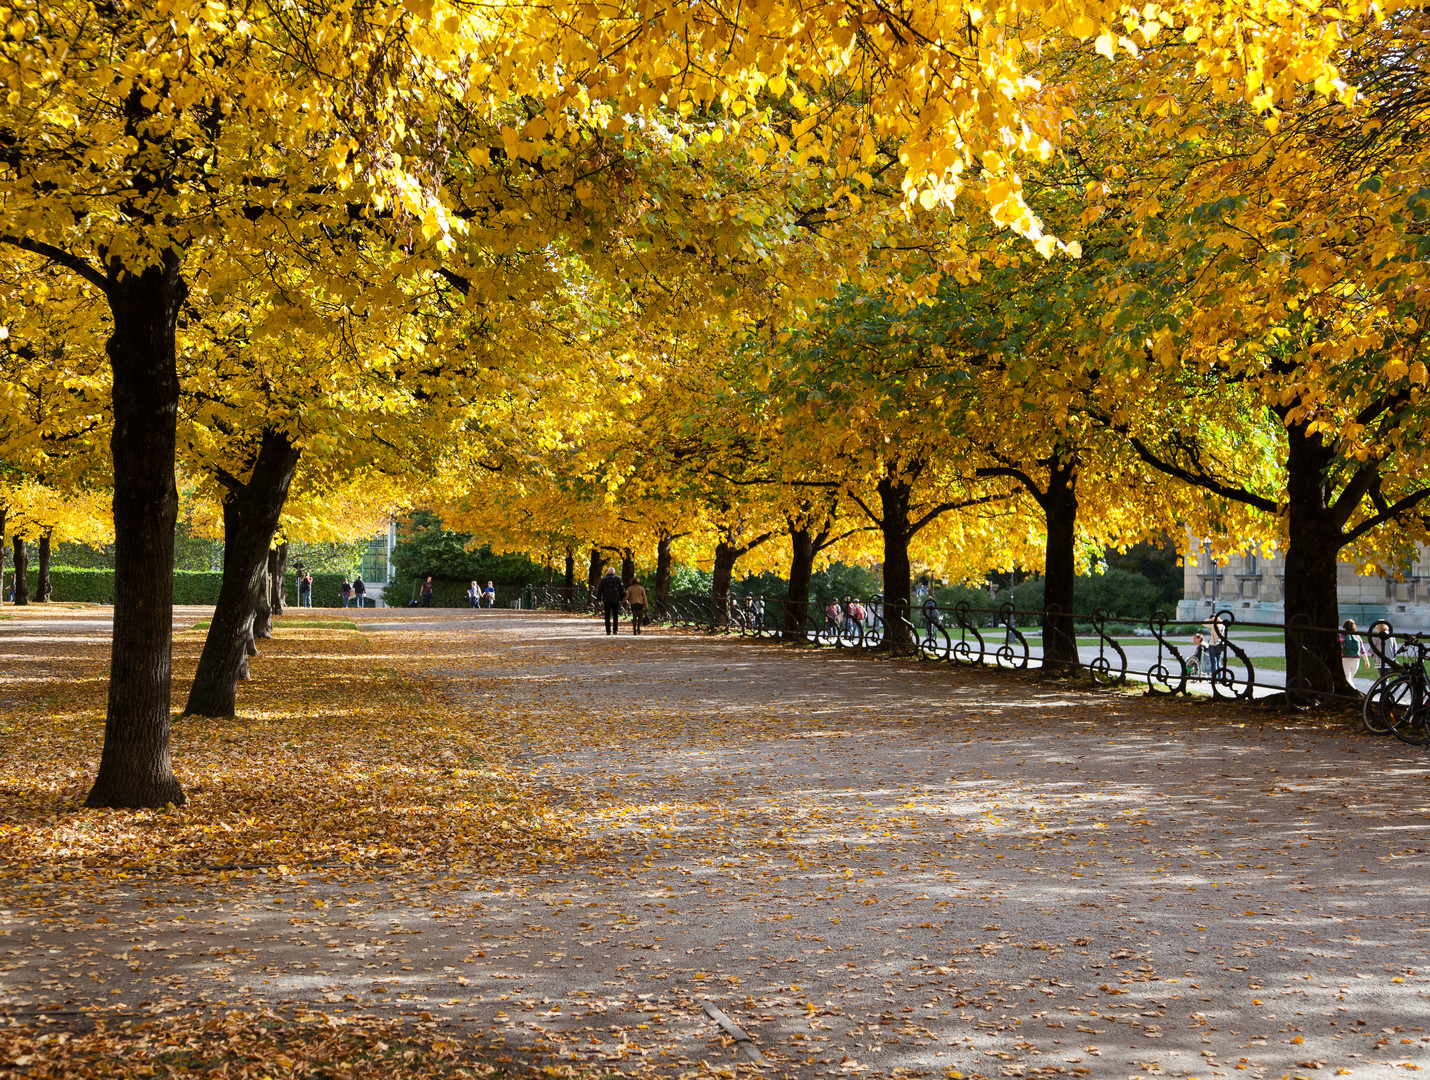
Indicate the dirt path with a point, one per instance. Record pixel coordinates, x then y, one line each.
869 866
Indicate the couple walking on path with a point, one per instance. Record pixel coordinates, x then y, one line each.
612 592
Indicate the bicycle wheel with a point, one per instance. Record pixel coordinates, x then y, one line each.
1371 713
1405 711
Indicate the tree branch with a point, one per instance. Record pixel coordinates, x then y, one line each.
61 257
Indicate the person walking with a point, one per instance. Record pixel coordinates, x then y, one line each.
611 592
1216 645
491 595
1383 648
359 591
636 597
1352 649
474 596
345 590
305 590
426 593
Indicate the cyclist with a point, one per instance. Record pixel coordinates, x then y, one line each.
1197 660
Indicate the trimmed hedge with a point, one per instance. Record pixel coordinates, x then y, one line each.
76 585
446 594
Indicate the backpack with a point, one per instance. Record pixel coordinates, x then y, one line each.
1350 646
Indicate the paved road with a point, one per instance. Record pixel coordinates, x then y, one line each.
870 866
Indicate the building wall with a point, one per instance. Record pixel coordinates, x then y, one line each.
1252 587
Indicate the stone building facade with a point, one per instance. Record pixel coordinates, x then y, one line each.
1253 588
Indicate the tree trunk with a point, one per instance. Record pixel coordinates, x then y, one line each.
22 573
4 513
1059 503
250 516
593 572
278 576
720 575
134 768
569 583
43 588
894 494
628 566
262 609
801 570
662 576
1313 656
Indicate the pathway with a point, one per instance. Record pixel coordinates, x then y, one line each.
869 866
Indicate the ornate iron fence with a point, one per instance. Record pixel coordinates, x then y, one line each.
1219 656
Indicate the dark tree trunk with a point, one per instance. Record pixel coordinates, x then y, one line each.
43 588
894 495
801 569
569 583
4 514
250 515
628 566
262 609
720 576
1314 540
1059 504
134 768
22 573
662 576
278 577
593 572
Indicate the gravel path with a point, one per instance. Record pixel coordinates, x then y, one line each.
868 866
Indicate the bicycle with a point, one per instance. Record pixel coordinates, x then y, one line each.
1404 698
935 644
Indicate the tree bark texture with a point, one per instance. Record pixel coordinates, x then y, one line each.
22 573
628 566
569 582
662 576
894 495
43 587
593 571
1059 504
4 514
801 570
134 767
278 576
250 516
1314 541
721 574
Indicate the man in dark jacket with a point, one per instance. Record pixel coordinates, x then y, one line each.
611 592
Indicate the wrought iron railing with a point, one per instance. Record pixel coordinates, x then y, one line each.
1231 660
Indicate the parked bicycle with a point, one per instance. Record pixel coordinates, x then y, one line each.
1399 701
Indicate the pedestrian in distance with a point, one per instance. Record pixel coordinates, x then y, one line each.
1383 647
305 590
1216 645
474 596
345 590
491 595
1352 649
359 591
426 592
611 592
636 597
